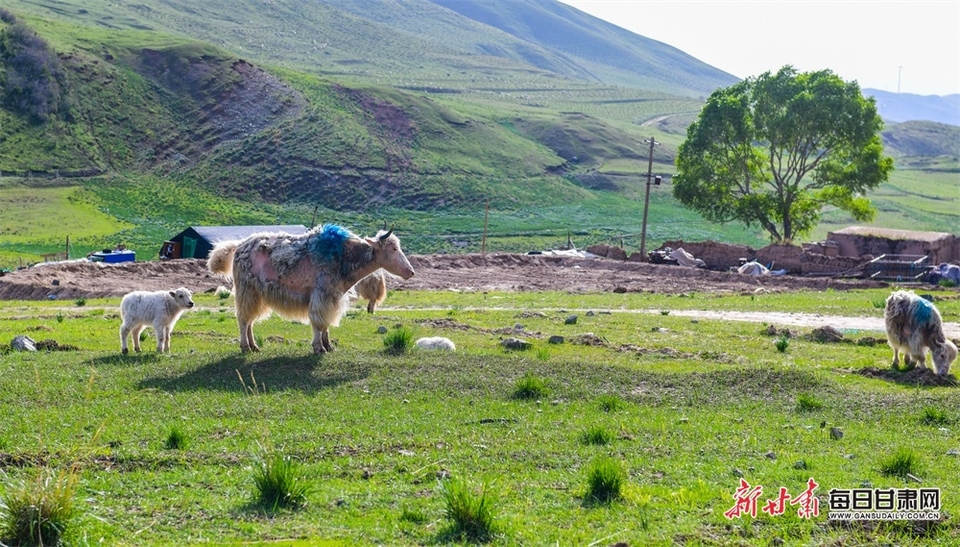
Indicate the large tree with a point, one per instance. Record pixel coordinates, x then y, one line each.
775 149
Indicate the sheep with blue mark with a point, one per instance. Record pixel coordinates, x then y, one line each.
305 277
913 325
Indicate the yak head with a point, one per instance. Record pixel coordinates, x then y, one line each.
389 255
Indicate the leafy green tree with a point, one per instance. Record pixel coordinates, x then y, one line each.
776 149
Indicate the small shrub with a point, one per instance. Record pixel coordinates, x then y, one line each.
38 512
223 294
934 416
610 403
606 478
596 435
530 386
901 463
808 403
543 354
399 340
60 317
473 514
782 344
664 312
280 482
176 439
80 302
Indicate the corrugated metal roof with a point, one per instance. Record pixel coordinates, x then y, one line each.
215 234
889 233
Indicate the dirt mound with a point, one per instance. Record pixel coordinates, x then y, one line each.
465 272
85 279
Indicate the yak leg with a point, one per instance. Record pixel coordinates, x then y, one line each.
319 333
135 334
161 332
250 307
326 340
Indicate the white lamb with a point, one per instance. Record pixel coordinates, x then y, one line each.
160 309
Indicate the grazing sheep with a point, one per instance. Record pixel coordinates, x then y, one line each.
373 289
914 324
160 309
303 277
436 342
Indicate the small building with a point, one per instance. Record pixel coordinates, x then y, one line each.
857 241
198 241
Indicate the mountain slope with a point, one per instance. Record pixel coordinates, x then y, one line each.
901 107
413 42
611 54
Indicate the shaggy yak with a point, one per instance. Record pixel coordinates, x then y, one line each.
914 324
306 277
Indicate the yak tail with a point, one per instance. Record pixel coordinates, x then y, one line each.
221 258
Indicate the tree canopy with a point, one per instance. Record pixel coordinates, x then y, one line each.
775 149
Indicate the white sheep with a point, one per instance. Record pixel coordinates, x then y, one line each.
914 324
436 342
160 309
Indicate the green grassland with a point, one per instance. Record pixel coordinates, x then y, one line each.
701 403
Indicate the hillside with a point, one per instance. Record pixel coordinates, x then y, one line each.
902 107
423 111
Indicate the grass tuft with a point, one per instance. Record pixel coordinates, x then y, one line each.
808 403
38 512
280 482
610 403
782 344
176 439
530 386
399 340
934 416
901 463
415 516
472 514
596 435
606 478
80 302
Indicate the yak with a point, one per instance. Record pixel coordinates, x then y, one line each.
305 277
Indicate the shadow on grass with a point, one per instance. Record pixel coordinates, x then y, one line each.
922 377
241 373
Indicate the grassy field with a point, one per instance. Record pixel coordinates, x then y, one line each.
686 407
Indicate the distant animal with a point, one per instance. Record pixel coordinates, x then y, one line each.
914 324
304 277
159 309
436 342
373 289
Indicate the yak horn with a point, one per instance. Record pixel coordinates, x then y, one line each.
386 235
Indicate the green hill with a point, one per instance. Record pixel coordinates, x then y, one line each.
259 113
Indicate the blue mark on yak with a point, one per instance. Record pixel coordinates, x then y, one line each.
327 244
922 311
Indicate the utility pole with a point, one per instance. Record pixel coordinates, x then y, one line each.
646 200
